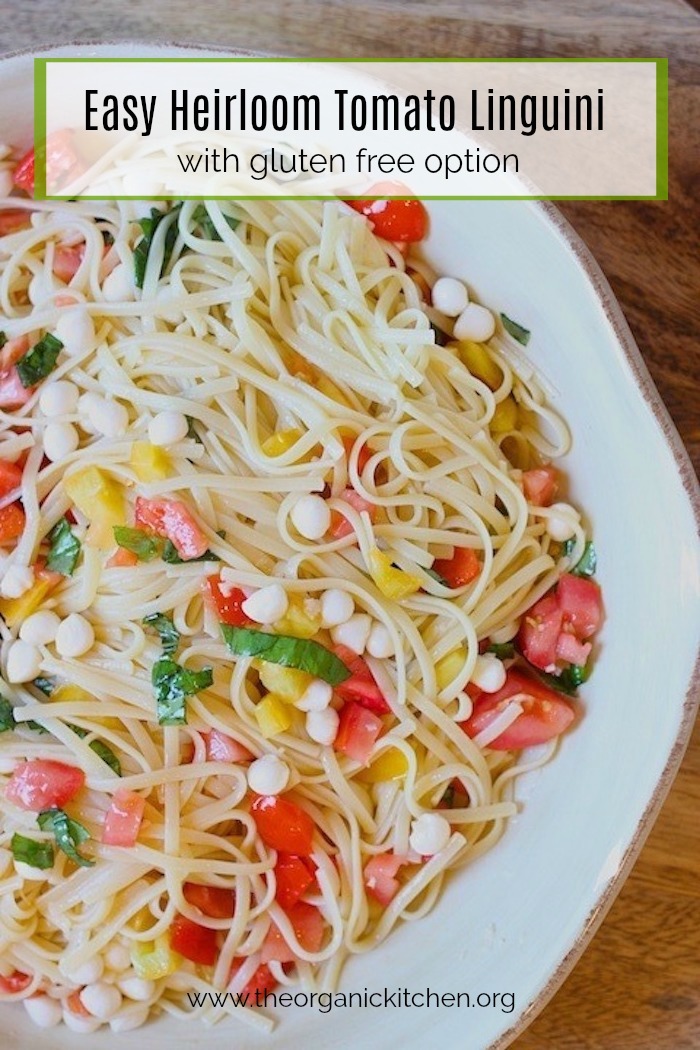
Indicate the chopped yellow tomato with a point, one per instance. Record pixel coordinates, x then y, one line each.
324 384
150 462
392 764
479 362
68 692
281 442
101 500
287 683
449 667
505 418
15 610
154 959
392 582
273 716
302 618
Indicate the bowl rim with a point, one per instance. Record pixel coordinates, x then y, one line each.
608 303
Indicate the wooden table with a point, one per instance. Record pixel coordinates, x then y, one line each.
638 985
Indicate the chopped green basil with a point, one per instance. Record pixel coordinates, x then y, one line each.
588 562
65 549
145 546
142 249
504 651
7 715
520 334
38 362
169 634
202 218
100 748
172 557
28 851
568 681
302 653
69 834
173 684
35 726
45 685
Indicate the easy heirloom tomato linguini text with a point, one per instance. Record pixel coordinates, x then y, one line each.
287 597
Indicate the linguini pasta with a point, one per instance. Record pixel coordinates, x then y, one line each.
300 349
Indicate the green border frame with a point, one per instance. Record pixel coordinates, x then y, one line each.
661 64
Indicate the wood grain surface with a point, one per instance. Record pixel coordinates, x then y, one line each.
637 987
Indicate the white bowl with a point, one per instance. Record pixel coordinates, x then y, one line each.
519 918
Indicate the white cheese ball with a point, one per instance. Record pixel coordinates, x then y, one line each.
59 398
489 673
311 517
137 988
336 607
316 697
43 1011
23 662
118 286
118 958
108 418
167 428
379 643
266 605
102 1000
449 296
268 775
322 726
129 1017
76 330
475 323
429 834
561 523
75 636
90 971
17 580
60 439
353 633
80 1024
40 628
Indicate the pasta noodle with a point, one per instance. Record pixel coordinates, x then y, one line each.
299 347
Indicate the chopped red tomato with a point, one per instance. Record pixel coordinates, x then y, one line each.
361 685
540 485
292 878
122 559
215 901
13 350
10 477
12 393
380 876
363 456
171 519
16 982
404 221
228 601
197 943
539 630
223 748
357 732
67 260
261 982
123 821
283 825
75 1004
340 526
571 650
545 713
61 160
581 603
308 925
459 570
43 783
14 219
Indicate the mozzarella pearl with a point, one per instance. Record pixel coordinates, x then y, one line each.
316 697
76 330
429 834
137 988
489 673
118 958
109 418
379 643
354 632
102 1000
74 636
129 1017
266 605
118 285
475 323
561 525
23 662
449 296
40 628
17 580
60 439
90 971
78 1023
322 726
44 1012
268 775
336 607
167 428
59 398
311 517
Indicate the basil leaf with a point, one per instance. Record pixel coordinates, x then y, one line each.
441 338
142 249
172 557
173 684
100 748
65 549
35 726
69 834
568 681
588 562
302 653
503 651
202 218
145 546
38 362
7 715
520 334
46 685
169 634
37 854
